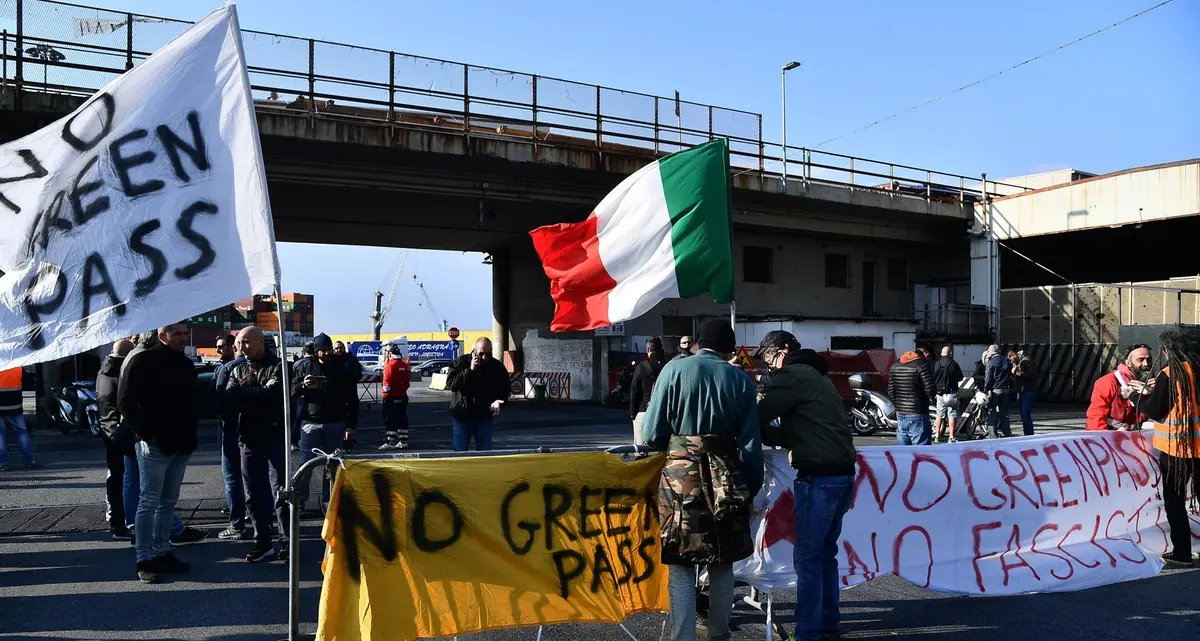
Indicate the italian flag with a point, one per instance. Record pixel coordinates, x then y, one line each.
664 232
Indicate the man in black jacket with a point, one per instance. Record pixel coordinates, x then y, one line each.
813 428
910 386
480 385
231 456
254 396
642 385
157 397
118 440
946 377
327 385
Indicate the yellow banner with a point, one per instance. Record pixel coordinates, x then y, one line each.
438 547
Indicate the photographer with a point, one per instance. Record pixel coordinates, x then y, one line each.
326 385
480 385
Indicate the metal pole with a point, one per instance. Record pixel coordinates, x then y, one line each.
467 104
783 154
128 41
289 490
599 121
312 81
656 126
20 53
733 314
762 148
535 120
991 280
391 86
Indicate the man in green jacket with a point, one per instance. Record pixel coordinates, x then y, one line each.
813 427
703 410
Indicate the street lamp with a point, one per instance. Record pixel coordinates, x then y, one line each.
783 93
47 55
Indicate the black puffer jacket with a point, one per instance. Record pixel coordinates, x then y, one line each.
642 386
106 397
910 385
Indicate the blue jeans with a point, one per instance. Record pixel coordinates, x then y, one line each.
997 418
821 502
914 429
1026 400
681 586
131 492
231 467
464 431
17 423
327 438
161 479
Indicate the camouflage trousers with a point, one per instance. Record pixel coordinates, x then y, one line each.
703 502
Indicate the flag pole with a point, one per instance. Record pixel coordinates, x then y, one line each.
289 488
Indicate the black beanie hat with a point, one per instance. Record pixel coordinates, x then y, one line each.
322 342
717 335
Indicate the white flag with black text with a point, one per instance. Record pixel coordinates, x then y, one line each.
145 206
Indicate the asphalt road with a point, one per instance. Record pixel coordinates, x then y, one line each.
81 585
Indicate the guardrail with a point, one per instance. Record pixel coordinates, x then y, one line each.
68 48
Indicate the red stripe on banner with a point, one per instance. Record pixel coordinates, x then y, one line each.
579 284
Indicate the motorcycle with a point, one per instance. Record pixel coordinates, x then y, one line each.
972 415
870 411
619 396
74 406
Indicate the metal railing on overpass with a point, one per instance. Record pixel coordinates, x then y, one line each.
67 48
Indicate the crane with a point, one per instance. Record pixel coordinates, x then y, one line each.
381 310
440 322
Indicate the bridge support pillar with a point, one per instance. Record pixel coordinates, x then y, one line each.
501 294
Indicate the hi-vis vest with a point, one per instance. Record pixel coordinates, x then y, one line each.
1172 430
10 391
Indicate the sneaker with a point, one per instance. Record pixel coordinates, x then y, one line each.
188 536
389 446
836 635
283 551
147 571
234 534
31 465
263 552
121 533
1178 561
170 564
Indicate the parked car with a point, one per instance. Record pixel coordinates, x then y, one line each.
205 373
432 366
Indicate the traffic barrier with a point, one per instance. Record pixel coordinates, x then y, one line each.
557 385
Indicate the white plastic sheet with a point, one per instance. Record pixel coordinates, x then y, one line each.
143 207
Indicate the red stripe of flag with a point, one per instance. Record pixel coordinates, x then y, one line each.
579 284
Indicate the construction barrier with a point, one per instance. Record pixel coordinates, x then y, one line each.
556 386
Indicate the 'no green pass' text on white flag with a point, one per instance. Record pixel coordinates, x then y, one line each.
144 206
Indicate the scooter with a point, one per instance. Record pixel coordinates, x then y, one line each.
74 407
870 411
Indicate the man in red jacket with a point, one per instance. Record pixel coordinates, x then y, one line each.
1115 395
396 378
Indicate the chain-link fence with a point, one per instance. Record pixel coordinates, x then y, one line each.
60 47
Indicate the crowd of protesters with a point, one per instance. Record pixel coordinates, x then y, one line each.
697 406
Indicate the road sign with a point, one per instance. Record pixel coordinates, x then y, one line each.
616 329
453 333
743 359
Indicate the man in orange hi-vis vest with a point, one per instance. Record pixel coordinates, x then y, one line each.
12 416
1174 406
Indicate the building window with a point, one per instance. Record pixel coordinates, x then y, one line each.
837 271
855 342
678 326
897 275
756 264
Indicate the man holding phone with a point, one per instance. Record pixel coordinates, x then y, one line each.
481 386
327 385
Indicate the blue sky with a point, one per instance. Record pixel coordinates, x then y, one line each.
1125 98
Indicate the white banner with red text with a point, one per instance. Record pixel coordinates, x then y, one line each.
1053 513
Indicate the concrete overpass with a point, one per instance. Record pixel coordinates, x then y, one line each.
388 149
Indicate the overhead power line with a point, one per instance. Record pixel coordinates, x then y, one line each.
997 74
